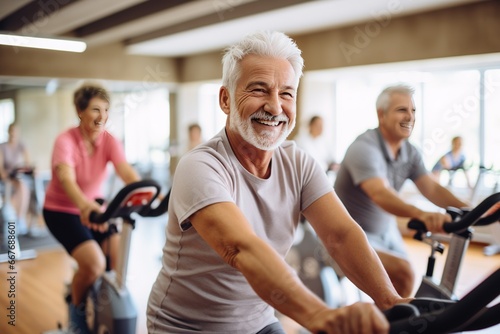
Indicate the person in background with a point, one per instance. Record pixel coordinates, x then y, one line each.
79 158
15 160
194 136
452 161
374 169
235 204
315 144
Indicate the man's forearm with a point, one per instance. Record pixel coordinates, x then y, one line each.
393 204
361 265
443 198
276 283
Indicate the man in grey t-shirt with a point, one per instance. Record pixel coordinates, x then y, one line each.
373 171
235 203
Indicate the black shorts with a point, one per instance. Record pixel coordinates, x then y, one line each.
69 230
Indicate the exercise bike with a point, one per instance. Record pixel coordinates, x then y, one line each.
460 233
309 258
157 210
442 316
110 308
10 247
431 315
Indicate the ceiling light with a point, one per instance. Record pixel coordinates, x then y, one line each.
49 43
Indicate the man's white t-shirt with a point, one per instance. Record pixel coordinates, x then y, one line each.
195 289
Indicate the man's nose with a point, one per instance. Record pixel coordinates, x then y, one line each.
273 104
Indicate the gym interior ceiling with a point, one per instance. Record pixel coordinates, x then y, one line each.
178 28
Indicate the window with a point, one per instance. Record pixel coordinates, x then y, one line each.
141 119
492 118
451 108
211 117
145 124
453 97
7 116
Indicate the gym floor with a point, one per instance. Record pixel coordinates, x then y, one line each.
40 282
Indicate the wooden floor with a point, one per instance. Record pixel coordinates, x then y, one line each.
40 283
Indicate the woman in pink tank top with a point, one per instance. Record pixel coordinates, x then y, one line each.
79 159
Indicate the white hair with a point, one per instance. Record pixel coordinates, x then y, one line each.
384 97
262 43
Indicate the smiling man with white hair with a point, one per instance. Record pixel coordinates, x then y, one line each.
235 204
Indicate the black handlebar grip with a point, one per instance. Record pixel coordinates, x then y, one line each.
94 217
467 218
492 218
450 316
449 227
401 311
100 201
417 225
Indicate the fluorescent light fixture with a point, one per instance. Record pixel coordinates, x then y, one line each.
48 43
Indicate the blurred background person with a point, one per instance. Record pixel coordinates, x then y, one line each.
371 175
313 142
195 136
452 161
15 160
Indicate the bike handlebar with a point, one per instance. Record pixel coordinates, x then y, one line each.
473 217
135 197
444 316
158 210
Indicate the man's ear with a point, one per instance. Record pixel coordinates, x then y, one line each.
224 100
380 114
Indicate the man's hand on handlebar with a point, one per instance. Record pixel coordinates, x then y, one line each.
84 217
356 318
434 220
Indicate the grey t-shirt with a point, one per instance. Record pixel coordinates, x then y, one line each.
195 289
369 157
13 156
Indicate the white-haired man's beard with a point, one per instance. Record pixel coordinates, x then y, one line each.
264 140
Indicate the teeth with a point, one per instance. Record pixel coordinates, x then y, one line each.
269 123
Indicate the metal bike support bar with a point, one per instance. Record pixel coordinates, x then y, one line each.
471 308
457 249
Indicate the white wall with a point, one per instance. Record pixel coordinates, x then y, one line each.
187 107
41 118
317 97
